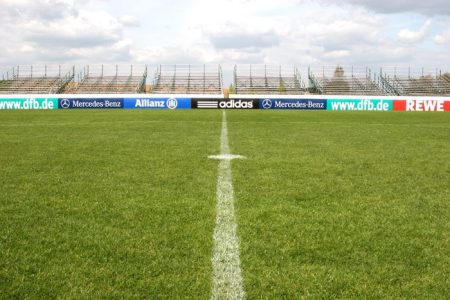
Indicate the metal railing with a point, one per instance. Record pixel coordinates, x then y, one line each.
417 81
43 79
188 79
109 79
267 79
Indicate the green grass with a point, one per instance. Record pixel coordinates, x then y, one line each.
121 204
343 205
106 204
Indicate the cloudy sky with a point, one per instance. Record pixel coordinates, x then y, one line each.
227 32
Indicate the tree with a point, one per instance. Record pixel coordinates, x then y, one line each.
232 89
282 87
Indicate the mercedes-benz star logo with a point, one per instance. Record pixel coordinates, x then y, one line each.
65 103
267 103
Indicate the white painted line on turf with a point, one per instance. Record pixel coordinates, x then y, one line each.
226 157
227 277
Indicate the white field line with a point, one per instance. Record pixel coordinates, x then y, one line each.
227 278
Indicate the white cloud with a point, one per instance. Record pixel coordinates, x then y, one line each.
88 29
130 21
61 31
442 38
302 32
242 40
429 7
412 37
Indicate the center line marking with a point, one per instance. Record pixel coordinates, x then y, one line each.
227 277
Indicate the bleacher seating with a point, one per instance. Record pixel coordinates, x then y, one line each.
35 80
263 79
408 82
204 79
188 79
113 79
344 81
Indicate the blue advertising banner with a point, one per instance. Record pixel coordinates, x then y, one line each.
302 104
92 103
157 103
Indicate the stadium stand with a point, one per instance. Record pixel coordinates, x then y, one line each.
263 79
208 80
344 81
188 79
109 79
36 80
415 82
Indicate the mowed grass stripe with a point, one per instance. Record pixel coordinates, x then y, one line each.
348 210
115 209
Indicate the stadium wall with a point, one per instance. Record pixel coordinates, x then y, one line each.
201 101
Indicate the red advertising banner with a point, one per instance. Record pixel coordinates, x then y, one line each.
399 105
422 105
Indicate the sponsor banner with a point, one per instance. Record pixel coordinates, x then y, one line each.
360 104
302 104
29 103
422 105
93 103
225 104
157 103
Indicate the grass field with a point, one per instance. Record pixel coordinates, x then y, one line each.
121 204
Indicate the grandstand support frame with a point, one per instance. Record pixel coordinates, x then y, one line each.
68 78
445 76
387 86
143 80
315 86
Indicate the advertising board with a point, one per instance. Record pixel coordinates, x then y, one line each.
360 104
298 104
28 103
422 105
225 104
90 103
157 103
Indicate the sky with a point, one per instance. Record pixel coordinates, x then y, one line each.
290 32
